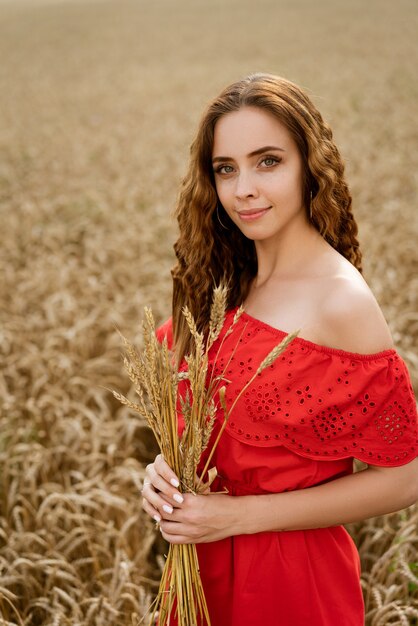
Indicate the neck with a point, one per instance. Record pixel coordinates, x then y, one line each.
289 255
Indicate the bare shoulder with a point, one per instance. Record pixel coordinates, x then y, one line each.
351 318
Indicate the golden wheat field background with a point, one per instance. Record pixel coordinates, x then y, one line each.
99 102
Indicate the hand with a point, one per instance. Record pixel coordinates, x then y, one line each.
160 493
202 518
187 518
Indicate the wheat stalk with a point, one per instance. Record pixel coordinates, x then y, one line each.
156 382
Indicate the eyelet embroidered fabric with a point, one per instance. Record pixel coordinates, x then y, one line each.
320 402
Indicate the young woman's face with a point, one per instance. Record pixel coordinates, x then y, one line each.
258 173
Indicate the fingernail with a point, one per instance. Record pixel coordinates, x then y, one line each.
174 482
167 508
178 498
157 518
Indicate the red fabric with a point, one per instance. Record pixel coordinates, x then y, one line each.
300 423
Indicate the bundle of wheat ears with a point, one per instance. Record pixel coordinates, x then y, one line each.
156 381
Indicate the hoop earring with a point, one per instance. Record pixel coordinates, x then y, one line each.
310 208
219 219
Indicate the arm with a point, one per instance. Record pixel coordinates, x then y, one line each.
371 492
368 493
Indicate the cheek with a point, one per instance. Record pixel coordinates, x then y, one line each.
224 193
298 181
290 185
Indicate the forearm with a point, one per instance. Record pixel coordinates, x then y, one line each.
188 518
348 499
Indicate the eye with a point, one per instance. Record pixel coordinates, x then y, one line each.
270 161
224 169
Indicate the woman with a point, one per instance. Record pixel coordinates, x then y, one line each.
265 205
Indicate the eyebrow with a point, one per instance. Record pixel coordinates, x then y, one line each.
252 154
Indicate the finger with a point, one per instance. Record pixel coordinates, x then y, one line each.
178 539
148 508
155 481
161 503
145 484
159 513
162 467
174 528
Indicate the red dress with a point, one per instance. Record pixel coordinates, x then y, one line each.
300 423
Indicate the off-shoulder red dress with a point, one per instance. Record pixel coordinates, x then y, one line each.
301 423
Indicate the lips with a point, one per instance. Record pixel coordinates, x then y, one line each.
252 214
253 211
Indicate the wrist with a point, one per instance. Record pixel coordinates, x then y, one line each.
246 515
258 513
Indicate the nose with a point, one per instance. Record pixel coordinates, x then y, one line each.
245 185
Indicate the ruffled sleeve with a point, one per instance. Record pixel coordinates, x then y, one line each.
321 402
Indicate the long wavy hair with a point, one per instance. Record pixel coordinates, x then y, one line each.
207 253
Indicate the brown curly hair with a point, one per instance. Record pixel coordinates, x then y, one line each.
207 254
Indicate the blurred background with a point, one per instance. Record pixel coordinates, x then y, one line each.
99 101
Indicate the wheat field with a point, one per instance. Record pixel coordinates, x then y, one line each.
99 102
